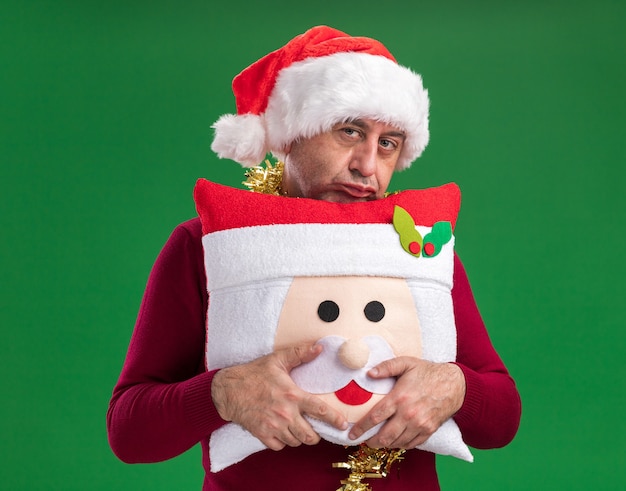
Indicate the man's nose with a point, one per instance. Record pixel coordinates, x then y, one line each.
354 353
365 157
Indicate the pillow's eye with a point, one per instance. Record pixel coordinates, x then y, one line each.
374 311
328 311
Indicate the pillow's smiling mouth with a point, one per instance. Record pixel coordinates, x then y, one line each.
353 394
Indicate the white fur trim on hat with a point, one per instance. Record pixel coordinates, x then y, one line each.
313 95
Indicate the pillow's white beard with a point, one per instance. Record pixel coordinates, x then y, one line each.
231 443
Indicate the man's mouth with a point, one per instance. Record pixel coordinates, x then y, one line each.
358 192
353 394
349 193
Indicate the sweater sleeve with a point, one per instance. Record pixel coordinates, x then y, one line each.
491 411
161 405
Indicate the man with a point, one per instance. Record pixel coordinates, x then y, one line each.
343 116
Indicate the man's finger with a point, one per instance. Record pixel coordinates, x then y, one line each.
388 436
273 444
297 355
418 440
316 408
379 413
293 437
303 432
391 368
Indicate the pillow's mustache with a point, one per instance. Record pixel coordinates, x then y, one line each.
327 374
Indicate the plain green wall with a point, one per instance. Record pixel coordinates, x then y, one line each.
105 114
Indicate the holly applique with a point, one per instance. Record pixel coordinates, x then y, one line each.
413 242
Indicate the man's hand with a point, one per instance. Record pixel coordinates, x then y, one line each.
425 395
262 397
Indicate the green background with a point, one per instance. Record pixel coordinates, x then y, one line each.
105 114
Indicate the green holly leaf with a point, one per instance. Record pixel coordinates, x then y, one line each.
440 234
410 238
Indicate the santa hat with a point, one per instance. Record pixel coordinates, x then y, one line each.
318 79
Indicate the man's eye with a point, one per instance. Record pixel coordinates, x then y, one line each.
387 144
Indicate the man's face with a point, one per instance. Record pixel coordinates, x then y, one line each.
354 161
360 321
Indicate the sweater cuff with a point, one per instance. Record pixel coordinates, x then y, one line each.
199 408
474 392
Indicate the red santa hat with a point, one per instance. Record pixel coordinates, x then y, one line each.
316 80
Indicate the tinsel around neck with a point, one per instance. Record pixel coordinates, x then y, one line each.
266 179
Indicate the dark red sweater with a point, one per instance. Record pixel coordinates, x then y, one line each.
162 406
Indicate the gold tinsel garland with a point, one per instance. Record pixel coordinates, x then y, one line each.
266 180
365 462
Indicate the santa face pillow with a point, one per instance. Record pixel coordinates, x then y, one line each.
369 281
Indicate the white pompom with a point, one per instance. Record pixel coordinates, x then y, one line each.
240 138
